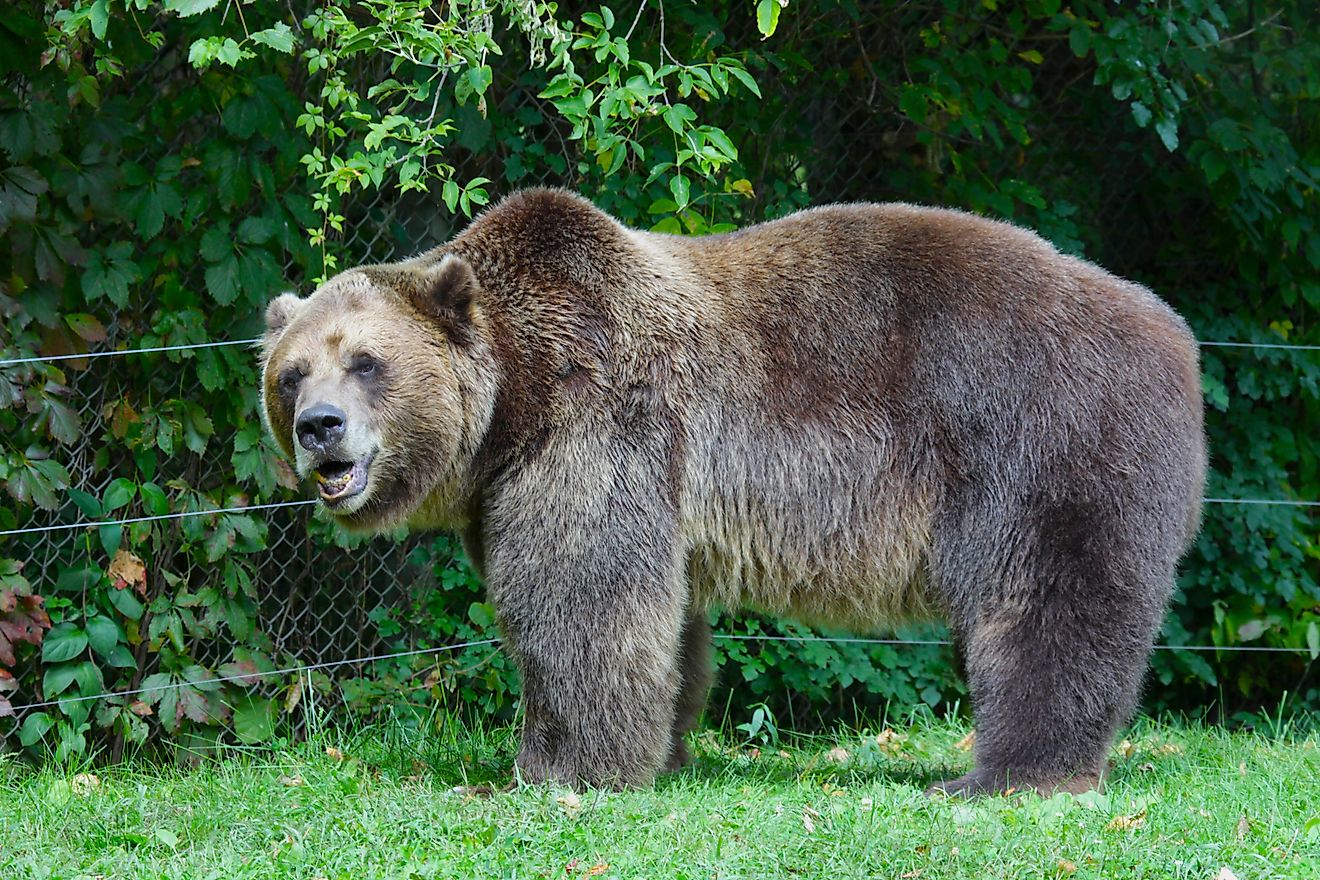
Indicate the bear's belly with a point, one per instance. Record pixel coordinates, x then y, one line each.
869 579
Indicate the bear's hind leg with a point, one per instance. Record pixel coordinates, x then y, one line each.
695 672
1055 654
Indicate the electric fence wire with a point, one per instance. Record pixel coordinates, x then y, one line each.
12 362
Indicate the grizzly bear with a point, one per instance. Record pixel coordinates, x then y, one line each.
858 415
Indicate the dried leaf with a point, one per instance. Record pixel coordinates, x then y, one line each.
808 819
293 781
1127 823
293 695
127 570
1126 748
139 708
890 742
596 869
1067 867
837 755
1243 827
83 784
966 743
570 803
121 417
285 475
334 753
1226 873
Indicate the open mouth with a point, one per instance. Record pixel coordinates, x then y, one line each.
338 481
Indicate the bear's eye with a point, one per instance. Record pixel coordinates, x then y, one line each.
290 379
363 365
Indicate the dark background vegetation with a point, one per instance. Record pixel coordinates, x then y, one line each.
146 201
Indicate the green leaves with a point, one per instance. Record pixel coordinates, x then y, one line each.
109 274
767 16
278 37
190 7
255 718
63 642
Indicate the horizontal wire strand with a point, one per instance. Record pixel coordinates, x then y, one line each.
1279 345
330 664
30 530
1281 502
10 362
100 354
139 519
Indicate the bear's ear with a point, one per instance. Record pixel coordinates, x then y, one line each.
281 311
447 293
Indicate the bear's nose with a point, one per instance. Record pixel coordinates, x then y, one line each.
321 426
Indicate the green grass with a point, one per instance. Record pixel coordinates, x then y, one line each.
1182 801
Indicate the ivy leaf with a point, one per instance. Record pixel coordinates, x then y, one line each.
256 230
154 499
64 642
38 482
216 244
58 678
222 280
109 273
279 37
86 502
126 603
62 423
254 719
19 189
86 326
186 8
103 635
117 494
34 728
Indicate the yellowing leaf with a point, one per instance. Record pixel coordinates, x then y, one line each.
1127 823
128 570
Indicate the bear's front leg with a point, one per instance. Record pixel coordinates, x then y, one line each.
598 701
591 595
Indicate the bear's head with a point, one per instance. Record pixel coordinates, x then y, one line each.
379 387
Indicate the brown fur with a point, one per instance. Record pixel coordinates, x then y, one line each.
859 414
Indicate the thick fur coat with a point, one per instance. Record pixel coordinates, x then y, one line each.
856 415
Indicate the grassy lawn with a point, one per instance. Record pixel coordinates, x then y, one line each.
1183 801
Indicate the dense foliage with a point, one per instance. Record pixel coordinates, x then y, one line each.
168 166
